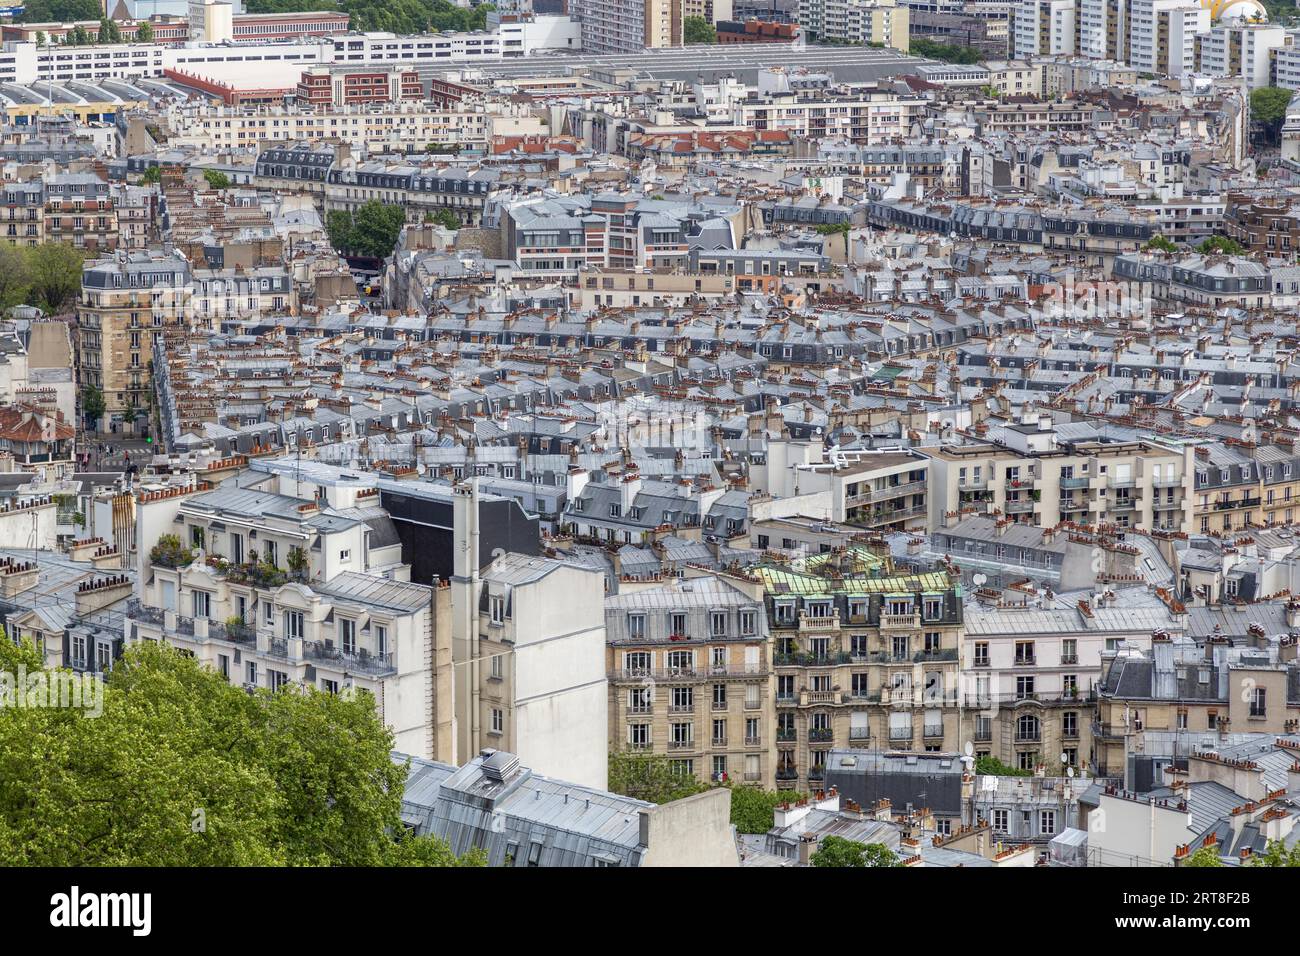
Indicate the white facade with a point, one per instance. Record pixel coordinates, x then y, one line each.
1242 50
1043 28
1162 35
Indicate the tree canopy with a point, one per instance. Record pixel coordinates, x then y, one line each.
47 276
398 16
698 30
181 768
371 231
944 52
216 179
1223 245
837 851
1161 244
59 11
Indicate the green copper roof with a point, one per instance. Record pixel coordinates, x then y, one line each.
823 575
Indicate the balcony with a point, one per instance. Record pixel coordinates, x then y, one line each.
885 493
1069 658
681 745
934 730
942 654
719 743
681 708
816 773
1025 660
820 734
1074 482
787 773
897 622
785 736
822 697
719 705
1028 736
859 737
1019 507
753 741
362 661
983 734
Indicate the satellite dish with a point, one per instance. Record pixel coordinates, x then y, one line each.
978 579
1069 772
1065 758
968 759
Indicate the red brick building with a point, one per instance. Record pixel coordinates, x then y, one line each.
756 31
323 87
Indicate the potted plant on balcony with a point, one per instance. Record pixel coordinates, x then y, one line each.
169 552
297 561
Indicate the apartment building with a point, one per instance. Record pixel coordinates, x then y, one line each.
883 491
271 590
869 117
528 648
878 22
79 211
628 26
1104 29
1044 28
1196 691
1032 675
1240 49
322 87
1033 475
1162 35
406 126
125 305
864 654
222 295
22 213
689 664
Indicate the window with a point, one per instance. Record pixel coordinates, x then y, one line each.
718 623
276 679
496 666
681 662
497 608
348 635
250 674
637 662
683 699
329 686
677 624
1069 724
1024 653
748 622
1046 822
636 626
1258 702
381 640
1027 728
345 556
1024 688
1000 821
269 553
638 736
498 720
1069 651
981 653
719 696
202 604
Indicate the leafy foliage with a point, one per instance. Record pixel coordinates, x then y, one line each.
944 52
398 16
753 808
48 276
837 851
184 769
170 552
445 218
1161 244
650 777
371 231
1268 105
1205 856
698 30
994 767
216 179
145 33
59 11
92 403
1276 853
109 31
1223 245
152 175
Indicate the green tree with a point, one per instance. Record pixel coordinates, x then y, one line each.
698 30
993 767
59 11
753 809
1161 244
54 269
145 33
445 218
92 403
650 777
371 231
1268 106
1205 856
1276 853
41 39
109 32
15 284
216 179
151 175
1222 245
290 778
839 852
944 52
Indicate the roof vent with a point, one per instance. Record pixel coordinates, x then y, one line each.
500 765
